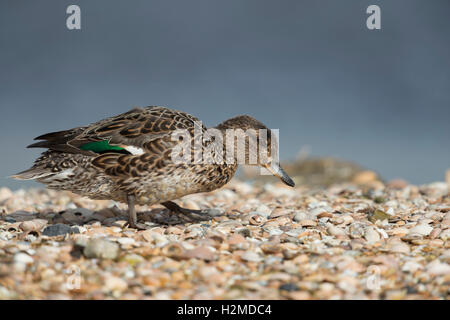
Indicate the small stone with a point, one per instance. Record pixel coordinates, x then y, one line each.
207 272
412 237
437 268
263 211
270 248
101 249
278 212
399 232
59 229
422 229
33 225
356 231
308 223
78 215
115 284
445 223
22 258
324 215
371 235
126 241
347 219
251 256
411 266
203 253
275 232
378 215
445 235
289 287
256 220
235 239
335 231
245 232
133 259
435 233
316 211
160 240
299 216
399 247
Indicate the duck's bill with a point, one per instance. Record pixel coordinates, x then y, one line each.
278 171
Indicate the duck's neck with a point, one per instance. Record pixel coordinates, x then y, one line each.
226 128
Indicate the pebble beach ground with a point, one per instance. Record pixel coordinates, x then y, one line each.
346 241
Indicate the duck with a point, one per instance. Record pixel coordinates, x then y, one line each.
134 158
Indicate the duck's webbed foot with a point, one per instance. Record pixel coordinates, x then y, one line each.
189 214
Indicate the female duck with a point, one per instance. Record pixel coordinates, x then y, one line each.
129 158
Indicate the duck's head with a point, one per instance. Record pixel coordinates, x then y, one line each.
253 144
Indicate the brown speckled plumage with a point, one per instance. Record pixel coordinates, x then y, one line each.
145 177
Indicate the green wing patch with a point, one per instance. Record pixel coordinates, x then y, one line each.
101 147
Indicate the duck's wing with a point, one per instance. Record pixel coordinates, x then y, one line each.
132 131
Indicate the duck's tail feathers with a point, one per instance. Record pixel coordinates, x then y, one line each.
32 174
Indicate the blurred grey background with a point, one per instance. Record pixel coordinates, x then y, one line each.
310 68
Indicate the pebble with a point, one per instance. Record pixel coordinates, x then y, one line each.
299 216
356 230
289 287
422 229
445 235
59 229
379 215
101 249
21 260
236 239
203 253
133 259
335 231
412 237
154 237
115 284
399 247
435 233
264 209
33 225
251 256
308 223
77 215
279 212
411 266
437 268
126 241
400 232
371 235
256 220
317 244
317 211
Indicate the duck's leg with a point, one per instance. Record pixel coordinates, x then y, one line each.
191 214
132 217
172 206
